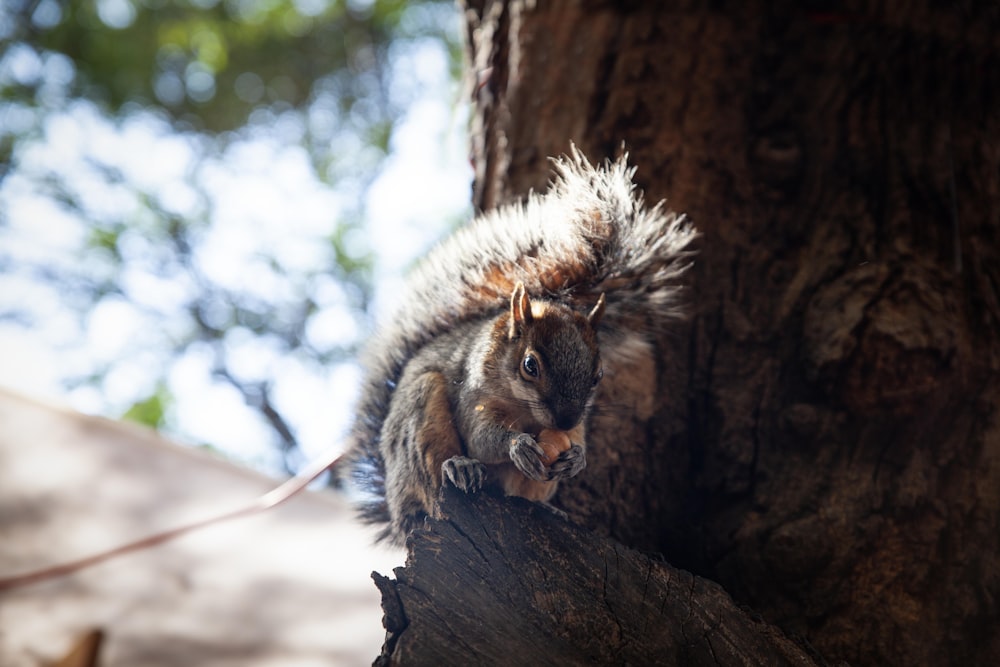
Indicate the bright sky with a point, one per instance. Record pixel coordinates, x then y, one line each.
263 196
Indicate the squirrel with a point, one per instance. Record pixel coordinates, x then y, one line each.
505 330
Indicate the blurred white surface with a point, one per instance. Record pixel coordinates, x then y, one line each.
289 587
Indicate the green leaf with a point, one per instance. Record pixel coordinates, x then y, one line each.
152 410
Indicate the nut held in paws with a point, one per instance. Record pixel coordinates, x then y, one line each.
553 443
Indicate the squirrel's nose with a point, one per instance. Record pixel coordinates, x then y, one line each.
567 419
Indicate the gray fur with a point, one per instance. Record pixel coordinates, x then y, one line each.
589 215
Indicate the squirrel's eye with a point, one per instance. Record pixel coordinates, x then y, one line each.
530 366
599 376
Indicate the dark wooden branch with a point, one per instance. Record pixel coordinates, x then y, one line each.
507 582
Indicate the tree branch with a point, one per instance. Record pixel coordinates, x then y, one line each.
506 581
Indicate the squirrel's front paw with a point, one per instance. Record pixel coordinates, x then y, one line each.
464 473
570 463
527 454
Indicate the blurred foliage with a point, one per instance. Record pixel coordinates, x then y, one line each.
152 410
214 77
217 65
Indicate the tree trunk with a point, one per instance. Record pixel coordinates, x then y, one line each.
824 439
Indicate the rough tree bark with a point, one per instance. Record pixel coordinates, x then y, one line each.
507 582
822 437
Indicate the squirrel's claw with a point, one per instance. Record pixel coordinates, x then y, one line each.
569 464
526 454
463 473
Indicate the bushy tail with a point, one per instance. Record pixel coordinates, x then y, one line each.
638 253
589 233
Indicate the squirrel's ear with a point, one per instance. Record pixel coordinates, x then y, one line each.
520 311
597 312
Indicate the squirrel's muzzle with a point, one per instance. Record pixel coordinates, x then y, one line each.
567 416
